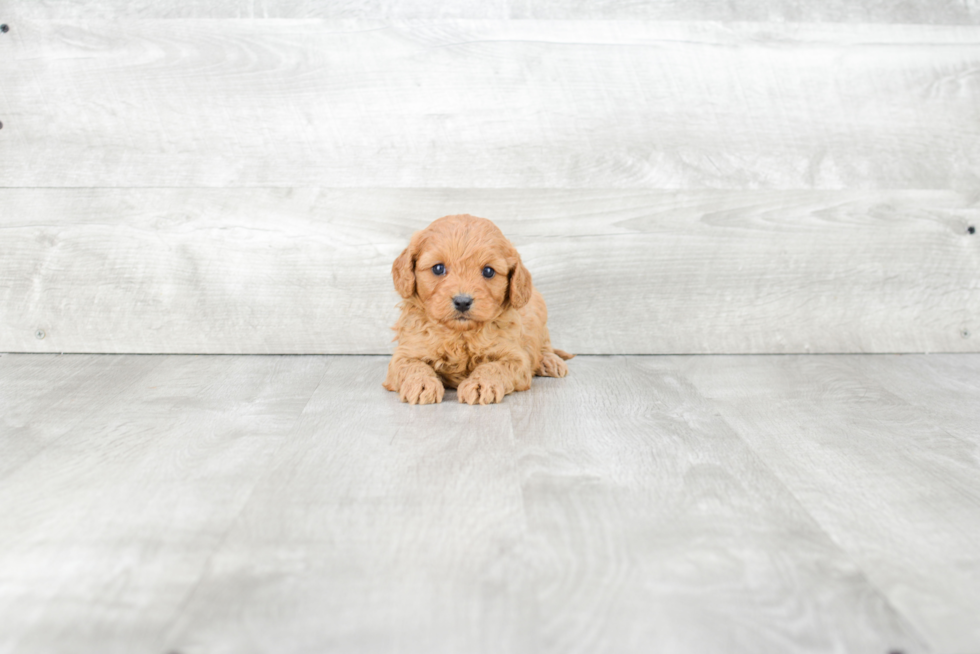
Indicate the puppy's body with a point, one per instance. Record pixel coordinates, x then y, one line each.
492 347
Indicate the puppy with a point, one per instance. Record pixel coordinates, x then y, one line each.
471 319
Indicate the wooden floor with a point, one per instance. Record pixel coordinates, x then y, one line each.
644 504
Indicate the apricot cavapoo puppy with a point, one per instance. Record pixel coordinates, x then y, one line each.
471 319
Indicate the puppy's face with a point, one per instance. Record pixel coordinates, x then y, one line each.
464 272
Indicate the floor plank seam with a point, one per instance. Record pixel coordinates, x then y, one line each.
844 552
206 565
92 411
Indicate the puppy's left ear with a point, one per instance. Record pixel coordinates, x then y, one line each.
520 287
403 270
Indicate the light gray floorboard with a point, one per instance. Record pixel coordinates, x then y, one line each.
950 397
889 481
107 530
484 103
308 270
654 527
888 11
42 398
377 530
671 504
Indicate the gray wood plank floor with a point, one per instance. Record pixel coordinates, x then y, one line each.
643 504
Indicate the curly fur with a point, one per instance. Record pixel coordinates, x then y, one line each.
486 352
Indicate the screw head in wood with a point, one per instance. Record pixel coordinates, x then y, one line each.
4 28
39 334
971 230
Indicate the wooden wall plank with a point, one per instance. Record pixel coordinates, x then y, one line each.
307 270
457 103
883 11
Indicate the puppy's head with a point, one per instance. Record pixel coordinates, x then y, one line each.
464 272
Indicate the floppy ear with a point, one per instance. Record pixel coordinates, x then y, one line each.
519 288
403 270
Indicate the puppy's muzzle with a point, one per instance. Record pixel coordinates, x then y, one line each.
463 302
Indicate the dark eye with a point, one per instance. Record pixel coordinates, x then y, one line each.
489 272
438 269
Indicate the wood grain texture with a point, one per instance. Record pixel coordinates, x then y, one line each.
489 104
650 519
308 270
105 533
892 483
44 398
290 504
951 393
377 530
891 11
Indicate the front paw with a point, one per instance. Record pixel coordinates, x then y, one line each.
421 389
480 391
551 366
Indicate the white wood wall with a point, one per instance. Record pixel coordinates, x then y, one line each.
774 176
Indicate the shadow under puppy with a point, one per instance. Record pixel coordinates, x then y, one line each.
471 319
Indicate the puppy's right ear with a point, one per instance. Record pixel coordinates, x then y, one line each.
403 270
520 288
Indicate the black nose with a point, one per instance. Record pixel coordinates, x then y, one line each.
463 302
